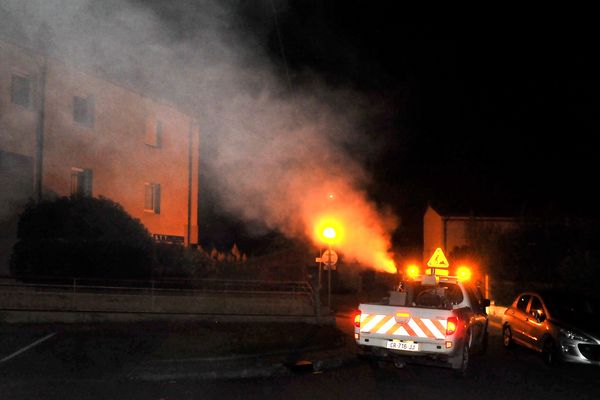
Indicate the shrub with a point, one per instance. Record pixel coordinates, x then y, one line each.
83 237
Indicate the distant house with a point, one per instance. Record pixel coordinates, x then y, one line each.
65 130
451 229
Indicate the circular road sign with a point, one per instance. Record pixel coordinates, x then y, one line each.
329 257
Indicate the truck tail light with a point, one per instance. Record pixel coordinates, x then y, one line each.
451 325
357 315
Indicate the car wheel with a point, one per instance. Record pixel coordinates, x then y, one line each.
507 337
550 352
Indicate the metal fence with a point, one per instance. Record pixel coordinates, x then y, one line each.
154 286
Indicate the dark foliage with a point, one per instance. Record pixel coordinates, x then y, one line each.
177 261
561 252
84 237
541 252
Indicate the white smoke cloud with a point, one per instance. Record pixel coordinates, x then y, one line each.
274 152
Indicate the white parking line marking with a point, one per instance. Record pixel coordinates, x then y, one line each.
16 353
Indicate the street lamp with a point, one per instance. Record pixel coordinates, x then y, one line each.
329 233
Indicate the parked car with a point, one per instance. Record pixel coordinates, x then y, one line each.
561 326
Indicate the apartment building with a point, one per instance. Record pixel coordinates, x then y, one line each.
452 229
64 130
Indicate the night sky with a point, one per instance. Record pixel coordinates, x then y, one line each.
497 117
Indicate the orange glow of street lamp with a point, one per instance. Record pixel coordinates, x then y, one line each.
329 230
329 233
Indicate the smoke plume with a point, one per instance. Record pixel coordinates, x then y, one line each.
277 153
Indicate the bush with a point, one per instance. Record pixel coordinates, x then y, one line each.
177 261
82 237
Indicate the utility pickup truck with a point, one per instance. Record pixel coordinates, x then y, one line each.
433 320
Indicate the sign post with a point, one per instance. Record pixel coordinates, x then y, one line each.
329 258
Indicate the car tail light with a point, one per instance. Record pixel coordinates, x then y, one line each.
451 325
357 315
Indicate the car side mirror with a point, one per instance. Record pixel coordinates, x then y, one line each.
484 302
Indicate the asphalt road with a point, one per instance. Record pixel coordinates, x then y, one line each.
95 362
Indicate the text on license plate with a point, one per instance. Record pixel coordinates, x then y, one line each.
403 346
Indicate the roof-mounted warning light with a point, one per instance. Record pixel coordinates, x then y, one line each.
463 273
412 271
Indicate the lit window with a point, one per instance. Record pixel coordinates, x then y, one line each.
81 182
20 91
152 197
154 135
83 110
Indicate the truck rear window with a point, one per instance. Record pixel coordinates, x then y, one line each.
442 296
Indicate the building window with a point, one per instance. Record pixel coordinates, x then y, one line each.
20 91
154 136
152 197
81 182
83 110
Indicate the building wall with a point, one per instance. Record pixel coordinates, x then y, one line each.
456 234
119 146
115 148
450 232
433 233
18 123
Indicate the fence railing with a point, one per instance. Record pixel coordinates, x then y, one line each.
154 286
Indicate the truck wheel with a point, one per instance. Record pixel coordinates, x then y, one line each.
507 337
461 371
484 343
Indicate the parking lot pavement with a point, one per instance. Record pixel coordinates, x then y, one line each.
72 351
97 362
159 351
14 342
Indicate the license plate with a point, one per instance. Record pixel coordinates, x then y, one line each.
403 346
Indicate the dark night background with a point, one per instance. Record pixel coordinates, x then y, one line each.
491 117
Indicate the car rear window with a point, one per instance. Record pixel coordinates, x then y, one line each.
443 295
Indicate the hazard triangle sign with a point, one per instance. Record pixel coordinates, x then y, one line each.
438 259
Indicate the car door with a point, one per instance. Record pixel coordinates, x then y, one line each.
478 319
535 324
518 315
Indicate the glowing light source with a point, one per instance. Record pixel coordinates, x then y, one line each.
412 271
451 324
357 316
329 230
464 273
329 233
360 243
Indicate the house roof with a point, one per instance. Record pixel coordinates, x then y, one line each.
454 209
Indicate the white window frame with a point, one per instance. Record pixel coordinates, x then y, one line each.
152 197
83 184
